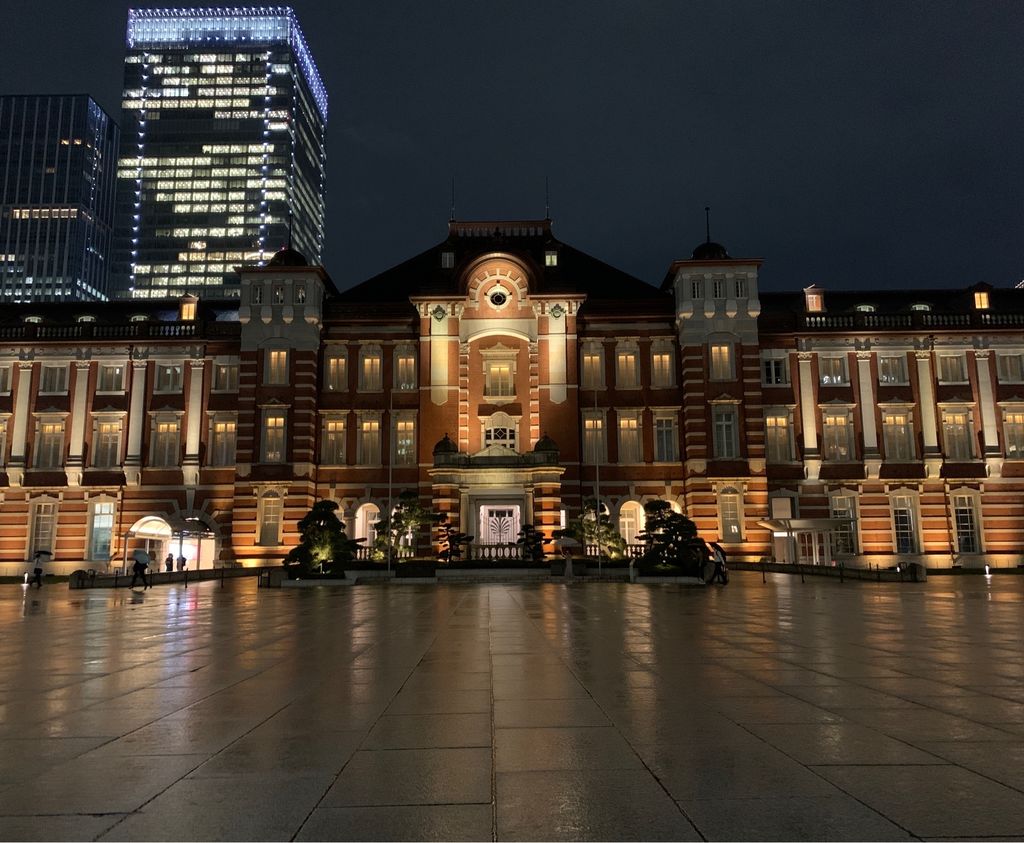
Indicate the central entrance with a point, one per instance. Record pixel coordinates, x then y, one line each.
499 524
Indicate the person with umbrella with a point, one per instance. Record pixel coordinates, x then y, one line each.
139 569
718 557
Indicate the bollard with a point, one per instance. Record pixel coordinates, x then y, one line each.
764 579
186 578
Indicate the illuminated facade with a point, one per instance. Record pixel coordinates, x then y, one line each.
507 377
223 114
58 159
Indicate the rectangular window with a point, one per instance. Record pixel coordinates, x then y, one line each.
981 300
336 374
1010 368
369 370
952 368
897 436
169 377
665 439
741 288
107 447
255 294
273 436
550 258
904 524
844 533
369 442
101 527
276 371
270 519
165 444
696 289
721 362
333 449
498 379
593 368
54 380
500 431
832 371
223 439
1013 435
5 380
718 288
593 439
44 519
966 523
405 370
726 431
111 378
50 447
956 434
662 370
405 441
629 439
278 294
836 437
778 444
627 369
225 377
299 294
774 371
892 369
730 516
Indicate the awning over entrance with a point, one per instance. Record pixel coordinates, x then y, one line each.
805 540
161 528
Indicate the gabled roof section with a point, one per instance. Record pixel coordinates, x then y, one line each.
441 269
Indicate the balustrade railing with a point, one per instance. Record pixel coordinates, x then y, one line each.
490 552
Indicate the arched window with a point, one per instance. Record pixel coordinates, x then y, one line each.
631 521
367 517
501 429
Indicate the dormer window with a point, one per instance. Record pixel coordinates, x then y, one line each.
981 300
921 307
188 308
814 299
33 320
447 260
550 258
138 317
865 308
86 318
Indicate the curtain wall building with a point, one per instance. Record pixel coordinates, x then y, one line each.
223 162
58 159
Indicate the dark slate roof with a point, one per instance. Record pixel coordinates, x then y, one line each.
118 311
527 240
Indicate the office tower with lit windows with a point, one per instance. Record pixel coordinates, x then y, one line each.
58 160
223 159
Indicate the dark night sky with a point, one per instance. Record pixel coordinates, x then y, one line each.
856 145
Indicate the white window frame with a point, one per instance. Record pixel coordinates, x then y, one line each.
496 388
98 436
954 448
721 361
666 420
272 451
886 374
627 365
218 438
269 532
833 451
404 369
944 372
1013 432
60 387
965 515
371 368
368 439
336 369
729 505
775 451
108 503
836 511
333 440
225 374
725 426
595 438
159 450
501 429
892 454
54 448
900 500
6 378
168 377
406 455
590 351
663 376
117 384
836 372
45 507
629 426
775 368
276 366
632 520
1010 367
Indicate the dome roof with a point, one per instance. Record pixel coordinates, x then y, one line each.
709 251
288 257
446 446
546 443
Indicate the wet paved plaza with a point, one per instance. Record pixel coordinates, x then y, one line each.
594 711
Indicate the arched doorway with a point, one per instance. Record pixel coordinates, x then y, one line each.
190 537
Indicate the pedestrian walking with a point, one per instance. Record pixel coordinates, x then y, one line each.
718 557
38 559
139 569
169 563
182 561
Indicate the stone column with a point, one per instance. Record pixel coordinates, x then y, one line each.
194 421
19 437
809 416
868 401
929 424
136 420
439 344
79 412
987 405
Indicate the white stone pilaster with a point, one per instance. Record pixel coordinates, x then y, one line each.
19 436
929 421
79 414
809 416
987 405
868 401
136 420
193 422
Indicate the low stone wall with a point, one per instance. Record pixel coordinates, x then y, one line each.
82 579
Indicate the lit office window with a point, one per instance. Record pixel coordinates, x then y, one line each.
166 448
778 438
1013 434
721 368
957 434
892 369
336 374
594 449
627 368
273 436
101 528
593 367
333 448
499 381
666 439
370 369
50 445
725 422
405 369
107 445
223 439
897 435
629 438
276 371
368 443
405 441
836 436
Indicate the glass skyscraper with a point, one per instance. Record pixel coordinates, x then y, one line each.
58 160
223 156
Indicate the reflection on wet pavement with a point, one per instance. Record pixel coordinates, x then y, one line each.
511 712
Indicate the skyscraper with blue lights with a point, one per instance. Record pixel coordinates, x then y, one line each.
58 158
223 157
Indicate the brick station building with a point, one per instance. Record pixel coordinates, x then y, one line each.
507 377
